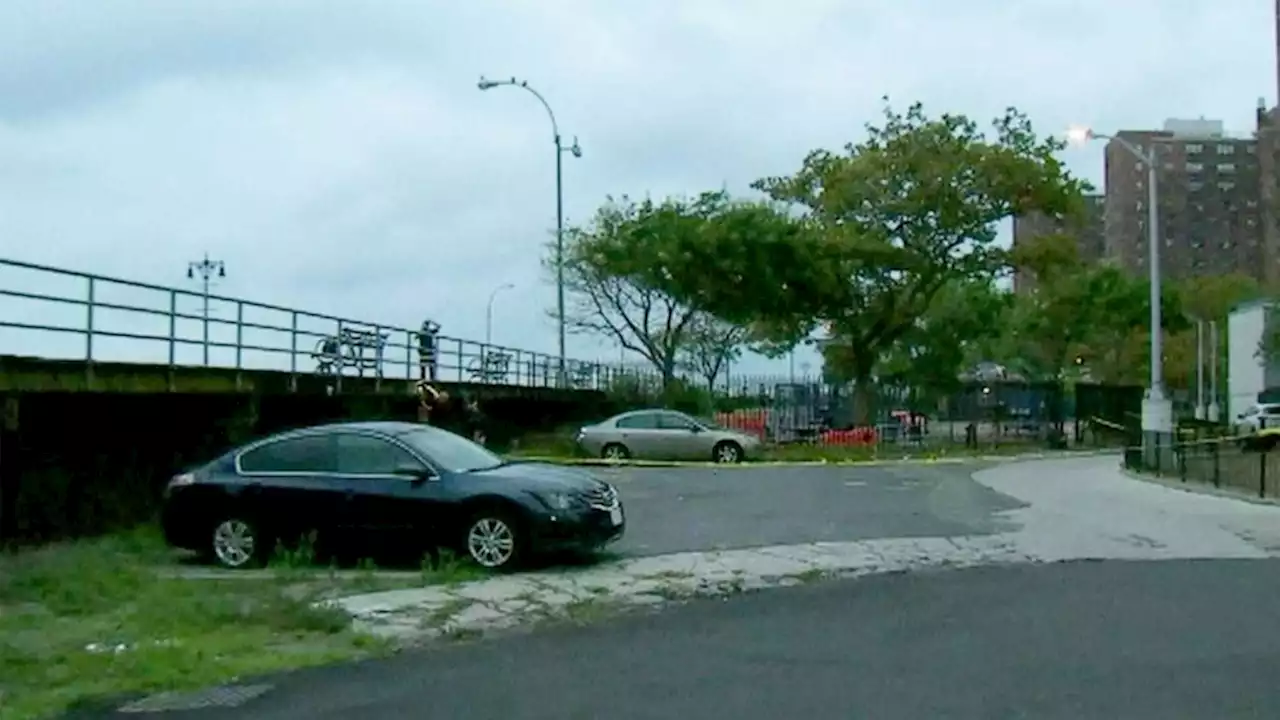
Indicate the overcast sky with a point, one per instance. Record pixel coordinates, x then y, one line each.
338 157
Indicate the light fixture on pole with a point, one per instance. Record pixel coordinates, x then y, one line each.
488 313
1157 411
575 150
207 270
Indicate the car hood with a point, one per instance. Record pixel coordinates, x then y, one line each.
543 476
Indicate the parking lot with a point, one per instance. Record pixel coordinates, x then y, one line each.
690 509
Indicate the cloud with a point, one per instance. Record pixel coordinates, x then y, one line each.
339 158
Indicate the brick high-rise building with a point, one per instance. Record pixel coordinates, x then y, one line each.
1209 192
1088 231
1268 137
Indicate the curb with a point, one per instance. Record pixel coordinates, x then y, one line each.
507 601
1227 493
953 460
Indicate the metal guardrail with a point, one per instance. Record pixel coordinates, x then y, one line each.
113 320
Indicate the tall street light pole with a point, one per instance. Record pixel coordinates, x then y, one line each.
561 149
207 270
488 313
1157 411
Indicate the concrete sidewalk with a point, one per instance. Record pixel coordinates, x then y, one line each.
1075 509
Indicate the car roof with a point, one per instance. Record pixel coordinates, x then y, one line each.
385 427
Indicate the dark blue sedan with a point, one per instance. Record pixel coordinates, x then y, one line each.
387 484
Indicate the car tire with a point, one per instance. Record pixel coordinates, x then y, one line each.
727 453
495 539
236 543
615 451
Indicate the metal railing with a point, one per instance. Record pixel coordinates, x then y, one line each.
1244 464
56 313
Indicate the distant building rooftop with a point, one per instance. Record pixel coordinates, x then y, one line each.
1195 128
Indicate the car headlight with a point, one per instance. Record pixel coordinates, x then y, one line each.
557 500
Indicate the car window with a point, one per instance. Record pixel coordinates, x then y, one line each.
308 453
451 452
674 421
369 455
639 421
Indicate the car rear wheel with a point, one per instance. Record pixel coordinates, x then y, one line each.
494 540
236 543
727 453
615 451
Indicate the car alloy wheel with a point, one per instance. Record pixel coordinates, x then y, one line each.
728 453
235 543
491 542
614 451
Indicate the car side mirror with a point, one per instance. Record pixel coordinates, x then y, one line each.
413 471
695 429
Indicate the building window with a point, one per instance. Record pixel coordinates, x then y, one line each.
1194 148
1226 168
1194 167
1226 186
1195 186
1226 149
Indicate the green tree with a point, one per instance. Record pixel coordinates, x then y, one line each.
952 335
1078 312
604 298
1211 297
863 240
712 345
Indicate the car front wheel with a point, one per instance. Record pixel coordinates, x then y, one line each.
727 453
615 451
493 540
236 543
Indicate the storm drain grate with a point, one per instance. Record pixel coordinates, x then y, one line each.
223 696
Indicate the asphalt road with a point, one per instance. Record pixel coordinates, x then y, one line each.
1139 641
686 509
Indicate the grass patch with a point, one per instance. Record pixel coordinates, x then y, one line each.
98 618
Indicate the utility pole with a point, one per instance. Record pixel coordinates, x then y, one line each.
1214 409
207 270
1201 406
561 148
488 314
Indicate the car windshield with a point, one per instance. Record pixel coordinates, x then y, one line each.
451 452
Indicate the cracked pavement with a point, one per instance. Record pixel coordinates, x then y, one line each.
1037 512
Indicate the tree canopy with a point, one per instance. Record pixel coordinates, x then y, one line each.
888 249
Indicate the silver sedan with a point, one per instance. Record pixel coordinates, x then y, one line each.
665 435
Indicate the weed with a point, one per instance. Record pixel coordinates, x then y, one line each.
86 619
440 615
585 610
809 576
673 591
447 568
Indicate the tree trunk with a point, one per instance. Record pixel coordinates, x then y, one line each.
863 402
668 374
